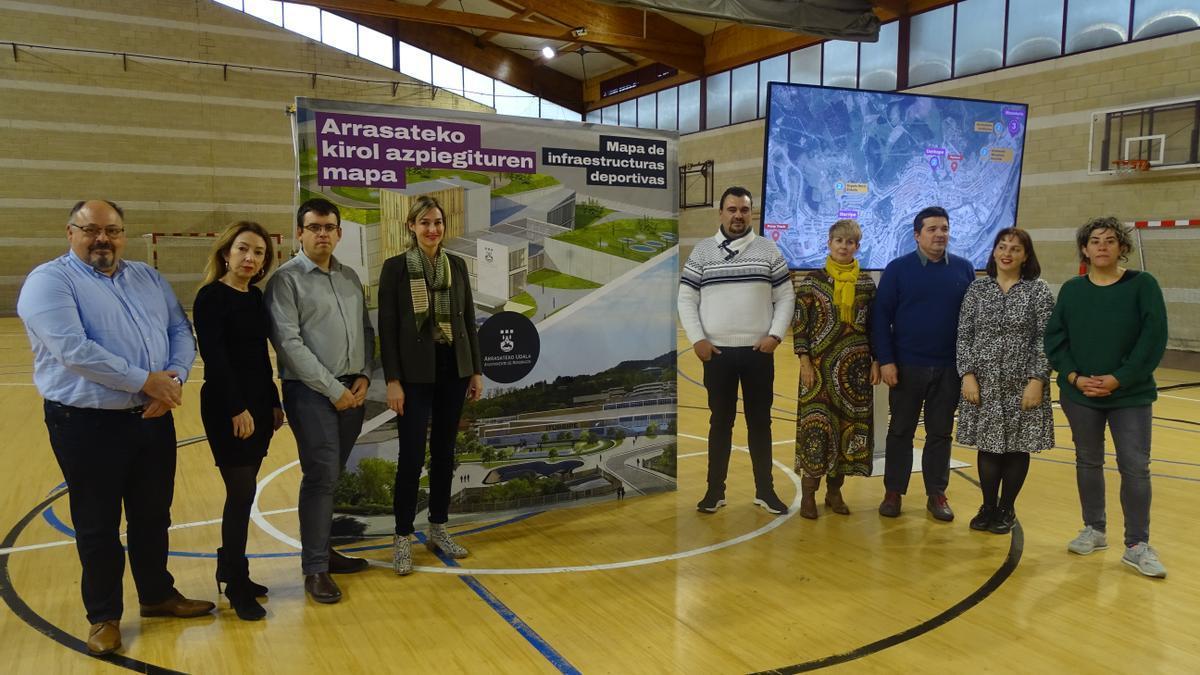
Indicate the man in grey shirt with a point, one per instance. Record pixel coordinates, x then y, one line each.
325 345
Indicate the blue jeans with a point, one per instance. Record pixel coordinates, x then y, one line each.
324 438
1130 429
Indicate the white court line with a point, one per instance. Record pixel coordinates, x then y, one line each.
257 516
1181 398
774 523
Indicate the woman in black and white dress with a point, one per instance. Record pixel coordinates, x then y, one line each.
1005 408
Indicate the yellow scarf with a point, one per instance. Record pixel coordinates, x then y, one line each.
845 278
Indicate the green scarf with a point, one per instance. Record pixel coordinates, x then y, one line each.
845 278
426 276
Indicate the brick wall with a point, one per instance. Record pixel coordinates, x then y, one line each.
183 147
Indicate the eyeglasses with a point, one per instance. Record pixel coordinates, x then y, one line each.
322 229
91 231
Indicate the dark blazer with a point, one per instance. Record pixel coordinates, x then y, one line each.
408 354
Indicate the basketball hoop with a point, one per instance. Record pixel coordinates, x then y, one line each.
1128 167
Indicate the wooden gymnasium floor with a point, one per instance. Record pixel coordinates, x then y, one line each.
675 591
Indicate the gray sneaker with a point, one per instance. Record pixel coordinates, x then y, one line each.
1144 559
1089 539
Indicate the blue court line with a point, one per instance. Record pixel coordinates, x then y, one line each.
537 641
464 533
54 521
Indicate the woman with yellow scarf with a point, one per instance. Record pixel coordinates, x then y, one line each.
834 435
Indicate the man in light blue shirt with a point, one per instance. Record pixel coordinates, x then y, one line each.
112 348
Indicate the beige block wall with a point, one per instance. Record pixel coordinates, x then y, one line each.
184 147
1057 194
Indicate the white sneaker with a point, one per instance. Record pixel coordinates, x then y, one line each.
1089 540
1144 559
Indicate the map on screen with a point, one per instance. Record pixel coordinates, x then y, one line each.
879 158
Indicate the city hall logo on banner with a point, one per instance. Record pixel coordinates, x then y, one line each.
510 346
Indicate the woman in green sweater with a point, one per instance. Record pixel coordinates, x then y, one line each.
1106 336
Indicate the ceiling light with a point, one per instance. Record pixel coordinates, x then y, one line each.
547 53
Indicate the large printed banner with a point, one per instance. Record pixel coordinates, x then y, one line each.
570 235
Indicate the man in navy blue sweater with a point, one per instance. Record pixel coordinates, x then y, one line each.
914 324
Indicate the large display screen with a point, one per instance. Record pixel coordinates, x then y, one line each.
880 158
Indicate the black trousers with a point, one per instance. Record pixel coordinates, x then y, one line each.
109 458
755 372
434 410
936 391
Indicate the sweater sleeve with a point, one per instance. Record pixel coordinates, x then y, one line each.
1151 344
965 344
1042 306
883 313
688 303
783 297
1057 341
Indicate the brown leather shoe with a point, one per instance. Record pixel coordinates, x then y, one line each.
340 563
940 508
808 499
322 588
833 495
890 506
179 606
104 638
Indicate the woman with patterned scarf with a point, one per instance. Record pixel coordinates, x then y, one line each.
431 362
834 435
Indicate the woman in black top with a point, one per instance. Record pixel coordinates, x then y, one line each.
239 403
431 362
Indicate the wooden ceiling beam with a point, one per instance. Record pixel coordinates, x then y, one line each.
494 61
648 26
519 16
686 55
624 58
895 7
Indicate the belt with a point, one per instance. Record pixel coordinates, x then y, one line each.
348 380
136 410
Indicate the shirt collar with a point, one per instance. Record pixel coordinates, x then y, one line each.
308 264
731 247
83 266
925 260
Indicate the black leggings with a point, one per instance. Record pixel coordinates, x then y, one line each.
997 470
240 484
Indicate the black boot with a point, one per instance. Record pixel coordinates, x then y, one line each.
223 576
236 575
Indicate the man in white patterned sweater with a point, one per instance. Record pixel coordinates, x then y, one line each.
735 304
